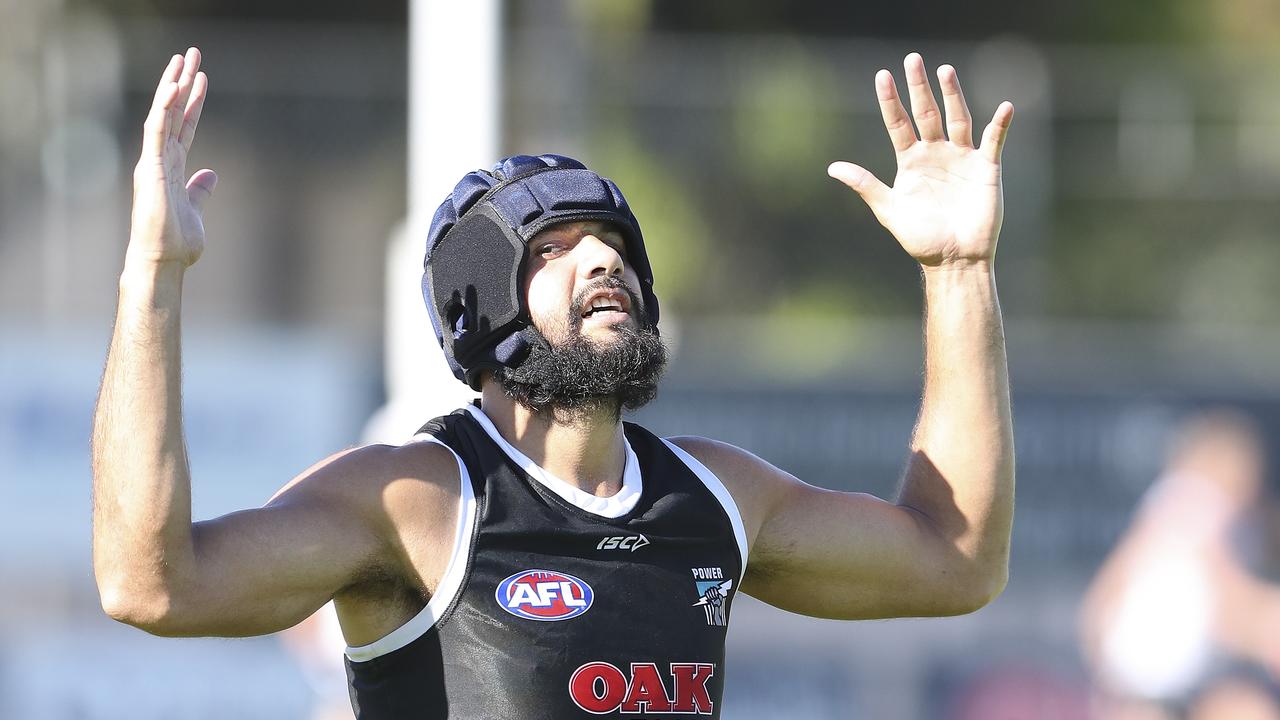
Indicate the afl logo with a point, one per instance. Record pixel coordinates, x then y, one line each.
544 595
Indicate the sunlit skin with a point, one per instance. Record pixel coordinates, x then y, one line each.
566 259
372 528
167 229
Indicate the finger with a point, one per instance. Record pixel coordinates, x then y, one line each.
924 108
190 65
170 75
195 106
155 129
200 187
959 122
997 130
868 186
896 121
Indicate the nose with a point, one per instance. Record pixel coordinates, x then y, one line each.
598 258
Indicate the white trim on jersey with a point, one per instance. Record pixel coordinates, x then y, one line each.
450 583
718 489
615 506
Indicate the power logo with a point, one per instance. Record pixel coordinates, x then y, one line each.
601 688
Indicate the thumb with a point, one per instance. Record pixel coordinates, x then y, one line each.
873 192
200 187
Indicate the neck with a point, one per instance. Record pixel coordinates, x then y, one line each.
583 448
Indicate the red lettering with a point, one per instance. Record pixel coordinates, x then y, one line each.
647 692
691 687
601 676
600 687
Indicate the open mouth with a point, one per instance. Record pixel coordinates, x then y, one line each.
606 303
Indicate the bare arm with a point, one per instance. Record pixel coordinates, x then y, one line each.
246 573
959 478
142 494
943 547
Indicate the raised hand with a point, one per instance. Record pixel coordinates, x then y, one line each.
946 203
168 222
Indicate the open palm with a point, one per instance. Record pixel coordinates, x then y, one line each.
168 222
946 202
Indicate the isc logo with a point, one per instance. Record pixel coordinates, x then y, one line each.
623 542
600 687
544 595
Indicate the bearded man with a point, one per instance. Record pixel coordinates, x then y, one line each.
534 556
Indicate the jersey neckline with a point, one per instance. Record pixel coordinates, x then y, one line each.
612 507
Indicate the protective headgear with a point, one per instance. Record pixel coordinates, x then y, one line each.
477 249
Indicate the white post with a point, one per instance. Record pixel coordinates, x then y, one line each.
453 129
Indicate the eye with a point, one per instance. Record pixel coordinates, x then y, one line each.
550 249
618 245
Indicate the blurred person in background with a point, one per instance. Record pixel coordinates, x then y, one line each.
541 482
1178 599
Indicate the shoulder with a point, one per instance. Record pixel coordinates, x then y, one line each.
383 483
730 463
402 499
755 485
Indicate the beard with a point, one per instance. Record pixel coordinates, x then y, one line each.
577 377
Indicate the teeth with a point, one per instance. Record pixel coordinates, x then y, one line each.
603 304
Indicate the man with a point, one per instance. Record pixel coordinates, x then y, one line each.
1175 611
534 556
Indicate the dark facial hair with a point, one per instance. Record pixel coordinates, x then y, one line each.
576 376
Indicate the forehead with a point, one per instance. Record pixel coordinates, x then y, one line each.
578 228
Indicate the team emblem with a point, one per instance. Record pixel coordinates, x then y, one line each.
713 594
544 595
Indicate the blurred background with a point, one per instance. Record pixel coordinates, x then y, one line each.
1137 272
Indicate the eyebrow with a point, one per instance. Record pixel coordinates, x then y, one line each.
607 231
596 227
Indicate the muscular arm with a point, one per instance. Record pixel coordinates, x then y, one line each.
250 572
946 209
943 547
959 477
141 486
142 496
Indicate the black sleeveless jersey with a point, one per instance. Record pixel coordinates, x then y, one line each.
558 604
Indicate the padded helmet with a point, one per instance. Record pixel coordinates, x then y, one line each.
477 249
